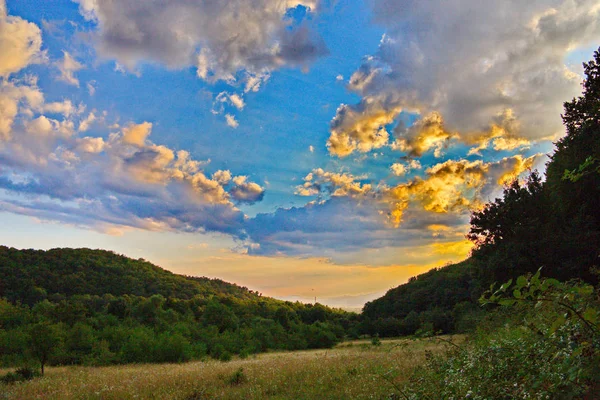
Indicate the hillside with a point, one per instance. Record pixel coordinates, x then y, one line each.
442 299
82 306
29 276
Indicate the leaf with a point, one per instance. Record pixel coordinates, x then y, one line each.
539 304
585 290
591 315
505 285
517 294
535 279
548 283
521 281
506 302
560 321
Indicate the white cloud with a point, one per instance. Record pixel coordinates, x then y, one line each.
91 87
67 67
90 144
120 183
398 169
237 101
84 125
243 36
231 121
20 43
509 58
227 99
15 98
246 192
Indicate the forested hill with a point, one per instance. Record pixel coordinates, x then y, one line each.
95 307
442 299
552 224
29 276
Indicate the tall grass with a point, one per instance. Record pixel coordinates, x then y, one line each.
356 370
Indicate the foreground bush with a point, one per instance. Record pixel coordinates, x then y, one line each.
550 350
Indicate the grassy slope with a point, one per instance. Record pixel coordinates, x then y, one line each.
350 371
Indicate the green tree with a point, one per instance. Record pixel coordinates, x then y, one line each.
44 340
571 177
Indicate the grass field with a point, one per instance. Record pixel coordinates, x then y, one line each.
352 370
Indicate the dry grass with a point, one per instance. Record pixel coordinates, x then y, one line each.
354 370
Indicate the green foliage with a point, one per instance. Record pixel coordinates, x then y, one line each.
375 341
584 169
426 301
225 356
549 349
29 276
209 317
44 341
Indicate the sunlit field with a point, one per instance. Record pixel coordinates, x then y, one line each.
357 370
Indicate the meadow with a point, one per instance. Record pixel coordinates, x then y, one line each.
356 369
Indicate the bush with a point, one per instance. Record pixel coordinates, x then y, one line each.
550 350
225 356
245 353
375 341
237 378
20 375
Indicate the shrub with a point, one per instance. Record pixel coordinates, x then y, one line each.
375 341
245 353
20 375
237 378
225 356
550 350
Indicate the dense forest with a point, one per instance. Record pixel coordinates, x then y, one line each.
552 224
82 306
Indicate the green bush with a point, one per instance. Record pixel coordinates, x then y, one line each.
245 353
20 375
375 341
551 348
225 356
237 378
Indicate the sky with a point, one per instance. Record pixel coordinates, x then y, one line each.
302 148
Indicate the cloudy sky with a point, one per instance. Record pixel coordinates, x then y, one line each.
301 148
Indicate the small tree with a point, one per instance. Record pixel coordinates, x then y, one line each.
44 339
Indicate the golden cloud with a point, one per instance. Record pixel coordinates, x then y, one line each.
360 128
136 134
425 134
335 184
448 186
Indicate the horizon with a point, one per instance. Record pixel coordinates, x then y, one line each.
257 146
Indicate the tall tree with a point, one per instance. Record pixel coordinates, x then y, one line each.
579 197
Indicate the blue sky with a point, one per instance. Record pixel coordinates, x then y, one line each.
283 145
